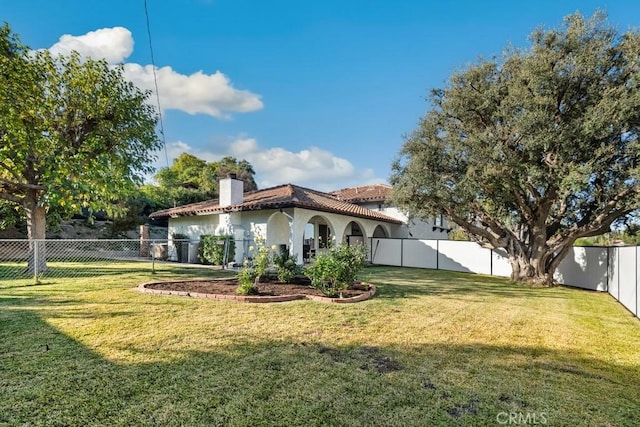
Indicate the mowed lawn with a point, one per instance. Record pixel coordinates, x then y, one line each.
431 348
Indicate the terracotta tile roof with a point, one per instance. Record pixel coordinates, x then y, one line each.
364 193
282 196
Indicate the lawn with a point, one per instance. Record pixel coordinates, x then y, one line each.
431 348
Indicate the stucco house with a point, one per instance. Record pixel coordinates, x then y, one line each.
302 219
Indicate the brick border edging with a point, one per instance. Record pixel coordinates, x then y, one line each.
257 299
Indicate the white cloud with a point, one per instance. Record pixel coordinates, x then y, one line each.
112 44
197 93
313 167
280 166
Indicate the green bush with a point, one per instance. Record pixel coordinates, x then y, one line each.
286 266
253 269
334 270
246 280
211 249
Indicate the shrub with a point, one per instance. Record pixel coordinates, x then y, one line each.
262 259
212 248
286 266
334 270
246 277
251 272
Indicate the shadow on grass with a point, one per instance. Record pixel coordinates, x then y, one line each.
405 282
49 378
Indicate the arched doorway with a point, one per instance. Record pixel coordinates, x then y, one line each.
354 233
380 232
318 234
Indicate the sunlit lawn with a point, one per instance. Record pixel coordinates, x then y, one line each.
432 348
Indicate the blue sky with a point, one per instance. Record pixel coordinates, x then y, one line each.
318 94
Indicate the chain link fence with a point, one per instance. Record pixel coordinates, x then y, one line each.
37 259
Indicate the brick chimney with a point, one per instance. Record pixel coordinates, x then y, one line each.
231 191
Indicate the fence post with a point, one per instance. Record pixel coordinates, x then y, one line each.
144 241
153 257
36 259
491 262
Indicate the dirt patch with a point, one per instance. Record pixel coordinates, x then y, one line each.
269 289
470 407
369 358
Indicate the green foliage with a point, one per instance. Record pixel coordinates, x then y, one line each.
286 266
262 257
75 133
212 249
334 270
9 215
190 179
458 233
246 280
533 151
626 237
254 267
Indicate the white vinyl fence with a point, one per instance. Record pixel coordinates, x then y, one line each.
613 270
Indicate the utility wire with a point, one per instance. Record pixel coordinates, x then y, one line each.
155 81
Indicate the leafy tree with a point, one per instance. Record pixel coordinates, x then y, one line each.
534 151
190 179
73 133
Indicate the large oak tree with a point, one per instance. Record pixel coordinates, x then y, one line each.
74 132
534 150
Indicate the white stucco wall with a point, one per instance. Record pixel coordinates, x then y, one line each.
412 229
276 227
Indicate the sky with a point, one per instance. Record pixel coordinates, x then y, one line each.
317 94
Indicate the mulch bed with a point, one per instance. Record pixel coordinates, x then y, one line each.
268 287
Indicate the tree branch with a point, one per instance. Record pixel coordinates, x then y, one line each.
10 170
10 197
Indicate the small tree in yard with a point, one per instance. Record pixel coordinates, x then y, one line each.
73 133
535 151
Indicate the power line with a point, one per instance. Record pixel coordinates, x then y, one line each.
155 82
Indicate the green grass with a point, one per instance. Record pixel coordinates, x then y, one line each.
432 348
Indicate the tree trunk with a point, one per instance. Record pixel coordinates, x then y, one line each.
534 270
36 233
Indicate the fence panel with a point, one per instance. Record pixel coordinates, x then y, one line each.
637 310
584 267
386 251
468 257
627 277
420 253
613 276
500 265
